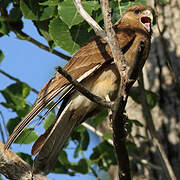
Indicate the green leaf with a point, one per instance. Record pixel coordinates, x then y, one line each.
81 167
73 17
12 123
4 3
103 155
119 8
129 124
61 169
22 112
81 136
1 56
50 3
62 36
63 165
137 123
140 136
108 135
83 143
15 14
3 26
27 136
63 158
152 98
15 96
34 11
48 121
96 120
131 147
26 157
43 29
163 2
14 19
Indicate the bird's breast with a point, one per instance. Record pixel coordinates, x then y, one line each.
102 84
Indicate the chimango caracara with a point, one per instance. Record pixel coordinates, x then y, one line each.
93 66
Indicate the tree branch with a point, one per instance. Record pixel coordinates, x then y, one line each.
97 29
83 90
13 167
23 36
119 133
166 167
15 79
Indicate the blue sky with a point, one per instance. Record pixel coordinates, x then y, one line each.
30 64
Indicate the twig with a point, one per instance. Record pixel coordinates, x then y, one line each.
23 36
13 167
166 167
83 90
95 174
97 29
118 56
15 79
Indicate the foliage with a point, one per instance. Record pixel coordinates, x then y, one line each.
60 24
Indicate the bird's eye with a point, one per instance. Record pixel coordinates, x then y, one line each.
136 11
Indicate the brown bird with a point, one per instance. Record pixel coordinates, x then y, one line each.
93 66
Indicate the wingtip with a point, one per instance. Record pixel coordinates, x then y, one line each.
7 145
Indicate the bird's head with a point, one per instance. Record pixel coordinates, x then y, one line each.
140 16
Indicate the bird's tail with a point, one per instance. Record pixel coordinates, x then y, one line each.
38 107
54 139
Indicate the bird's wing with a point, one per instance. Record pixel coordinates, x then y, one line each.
45 98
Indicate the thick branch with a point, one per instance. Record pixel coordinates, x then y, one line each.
83 90
118 56
13 167
167 169
119 133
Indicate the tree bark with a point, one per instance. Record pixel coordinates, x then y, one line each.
162 76
13 167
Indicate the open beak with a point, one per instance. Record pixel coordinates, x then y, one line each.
146 19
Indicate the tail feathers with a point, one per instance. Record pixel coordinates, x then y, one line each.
40 141
61 130
39 106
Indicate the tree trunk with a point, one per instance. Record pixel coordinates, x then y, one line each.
162 76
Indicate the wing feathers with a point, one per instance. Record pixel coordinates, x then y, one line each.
46 96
